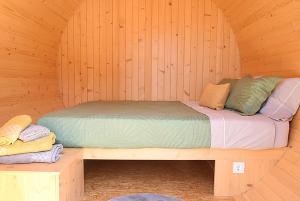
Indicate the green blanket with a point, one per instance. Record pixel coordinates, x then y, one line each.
130 125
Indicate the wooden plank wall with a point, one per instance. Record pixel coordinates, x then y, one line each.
30 33
268 34
283 181
144 50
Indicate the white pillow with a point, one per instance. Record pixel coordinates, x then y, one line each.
284 102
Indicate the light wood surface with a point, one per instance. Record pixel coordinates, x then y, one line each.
282 182
61 181
30 32
257 163
180 154
267 32
145 50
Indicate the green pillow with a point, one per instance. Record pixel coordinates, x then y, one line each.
248 95
232 82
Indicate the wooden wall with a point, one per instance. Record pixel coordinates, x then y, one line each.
268 34
30 32
144 50
283 181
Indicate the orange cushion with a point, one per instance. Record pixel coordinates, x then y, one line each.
215 96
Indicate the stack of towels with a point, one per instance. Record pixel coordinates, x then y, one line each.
23 142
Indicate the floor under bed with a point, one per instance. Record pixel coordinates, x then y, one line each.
189 180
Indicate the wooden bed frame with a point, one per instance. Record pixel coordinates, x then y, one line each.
65 178
257 163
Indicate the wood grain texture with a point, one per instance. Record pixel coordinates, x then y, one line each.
30 32
61 181
268 36
282 182
267 33
145 50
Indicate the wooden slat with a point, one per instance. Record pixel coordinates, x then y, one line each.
141 49
71 63
77 51
149 50
96 47
90 50
116 42
268 37
122 52
129 48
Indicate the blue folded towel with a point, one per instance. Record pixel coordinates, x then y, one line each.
34 132
40 157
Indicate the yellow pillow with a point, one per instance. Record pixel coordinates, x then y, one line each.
11 130
215 96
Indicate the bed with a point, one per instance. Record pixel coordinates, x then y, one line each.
132 130
170 124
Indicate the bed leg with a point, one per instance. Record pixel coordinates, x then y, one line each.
226 183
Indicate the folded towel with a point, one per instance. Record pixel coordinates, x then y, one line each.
40 157
34 132
19 147
12 129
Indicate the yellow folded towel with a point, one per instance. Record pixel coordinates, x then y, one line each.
12 129
19 147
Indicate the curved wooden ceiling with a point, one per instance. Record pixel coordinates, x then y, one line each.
268 34
30 31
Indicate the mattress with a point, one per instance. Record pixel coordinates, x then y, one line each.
130 125
229 129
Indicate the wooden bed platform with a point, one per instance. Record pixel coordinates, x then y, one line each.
63 181
257 163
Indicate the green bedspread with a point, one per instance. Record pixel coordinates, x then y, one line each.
130 125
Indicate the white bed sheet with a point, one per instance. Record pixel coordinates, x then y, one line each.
229 129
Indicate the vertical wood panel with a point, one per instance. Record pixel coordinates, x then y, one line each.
77 49
83 52
90 49
96 48
154 48
102 52
141 49
71 63
121 50
116 64
109 48
161 49
174 49
146 50
129 48
200 49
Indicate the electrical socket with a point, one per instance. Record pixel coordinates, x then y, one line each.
238 167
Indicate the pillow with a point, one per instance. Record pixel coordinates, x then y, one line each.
230 81
34 132
214 96
248 95
11 130
284 102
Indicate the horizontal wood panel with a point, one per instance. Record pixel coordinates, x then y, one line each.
268 34
145 50
30 31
